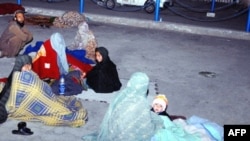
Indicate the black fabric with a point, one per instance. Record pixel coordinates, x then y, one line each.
4 95
164 113
20 61
104 78
171 117
73 84
20 24
3 113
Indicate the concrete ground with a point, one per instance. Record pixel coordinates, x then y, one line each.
175 57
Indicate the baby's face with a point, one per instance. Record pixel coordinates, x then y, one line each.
158 108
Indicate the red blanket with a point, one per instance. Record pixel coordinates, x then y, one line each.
9 8
4 80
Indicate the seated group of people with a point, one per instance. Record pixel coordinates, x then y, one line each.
28 96
24 92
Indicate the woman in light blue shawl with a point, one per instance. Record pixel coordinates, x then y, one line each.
129 117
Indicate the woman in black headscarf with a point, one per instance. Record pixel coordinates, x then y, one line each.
22 62
103 78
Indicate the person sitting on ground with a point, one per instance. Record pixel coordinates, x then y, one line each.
21 63
160 105
15 36
85 40
31 99
103 77
128 117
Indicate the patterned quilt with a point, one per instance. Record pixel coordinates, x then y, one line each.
31 99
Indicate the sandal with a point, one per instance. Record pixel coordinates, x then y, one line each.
22 129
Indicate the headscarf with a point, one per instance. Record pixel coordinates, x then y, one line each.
103 78
18 11
20 61
105 54
128 117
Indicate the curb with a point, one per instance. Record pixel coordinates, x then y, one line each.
167 26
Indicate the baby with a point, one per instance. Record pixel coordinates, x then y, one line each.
160 105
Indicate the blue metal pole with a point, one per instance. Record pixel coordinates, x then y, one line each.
19 2
157 9
248 20
213 5
81 6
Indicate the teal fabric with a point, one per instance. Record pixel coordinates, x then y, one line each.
174 132
214 130
128 117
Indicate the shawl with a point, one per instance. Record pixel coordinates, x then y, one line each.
31 99
128 117
104 78
14 38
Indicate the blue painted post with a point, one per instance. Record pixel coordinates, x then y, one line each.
157 9
212 6
248 20
19 2
81 6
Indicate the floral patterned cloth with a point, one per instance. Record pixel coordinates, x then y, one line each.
69 19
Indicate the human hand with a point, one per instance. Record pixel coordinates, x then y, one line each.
83 74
